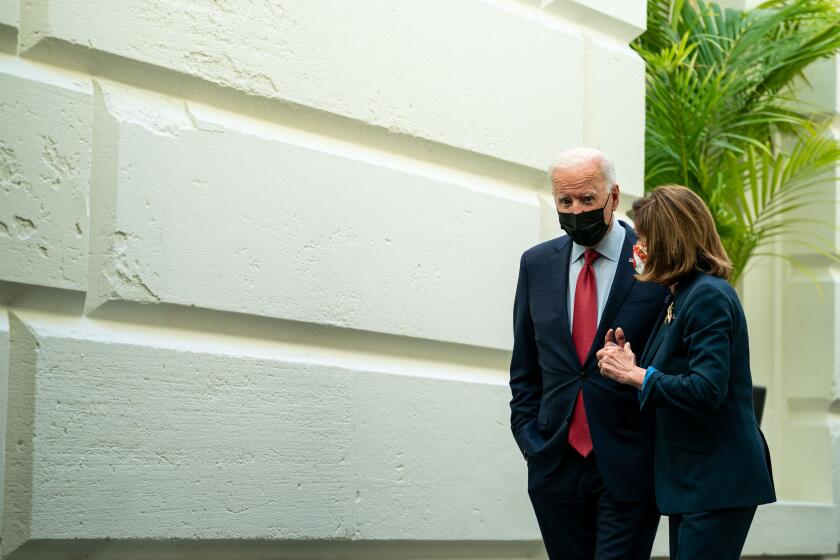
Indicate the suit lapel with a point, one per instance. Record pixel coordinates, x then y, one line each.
658 336
654 340
560 277
622 282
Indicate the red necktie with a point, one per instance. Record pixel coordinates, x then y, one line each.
584 327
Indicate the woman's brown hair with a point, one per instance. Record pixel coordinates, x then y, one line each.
680 234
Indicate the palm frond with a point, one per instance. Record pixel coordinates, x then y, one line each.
719 88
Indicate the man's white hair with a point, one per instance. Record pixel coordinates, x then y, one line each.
577 156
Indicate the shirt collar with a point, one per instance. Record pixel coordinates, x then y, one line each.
609 246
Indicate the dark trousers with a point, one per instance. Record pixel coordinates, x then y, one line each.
579 520
718 534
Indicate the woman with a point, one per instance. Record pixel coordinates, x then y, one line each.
711 463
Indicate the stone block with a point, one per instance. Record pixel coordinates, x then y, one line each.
147 433
488 77
45 158
198 207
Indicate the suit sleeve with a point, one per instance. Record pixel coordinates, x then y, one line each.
708 329
525 376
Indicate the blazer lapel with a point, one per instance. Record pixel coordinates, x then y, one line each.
560 276
622 282
657 336
654 340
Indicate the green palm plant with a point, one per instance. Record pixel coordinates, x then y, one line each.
722 118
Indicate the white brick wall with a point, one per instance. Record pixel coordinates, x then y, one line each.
10 13
45 153
182 435
467 74
284 313
309 231
4 393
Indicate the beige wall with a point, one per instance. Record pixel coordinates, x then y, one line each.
258 261
794 314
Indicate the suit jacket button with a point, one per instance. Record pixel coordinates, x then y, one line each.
583 375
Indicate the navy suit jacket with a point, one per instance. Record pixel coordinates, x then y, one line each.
709 452
545 373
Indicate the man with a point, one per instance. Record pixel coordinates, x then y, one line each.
587 445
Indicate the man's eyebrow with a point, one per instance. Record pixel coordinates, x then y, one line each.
581 195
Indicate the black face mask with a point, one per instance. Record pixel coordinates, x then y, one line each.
586 228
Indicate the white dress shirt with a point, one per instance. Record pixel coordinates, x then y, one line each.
604 267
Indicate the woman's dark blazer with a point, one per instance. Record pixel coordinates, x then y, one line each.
708 450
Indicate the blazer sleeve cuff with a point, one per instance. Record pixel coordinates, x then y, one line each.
652 375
